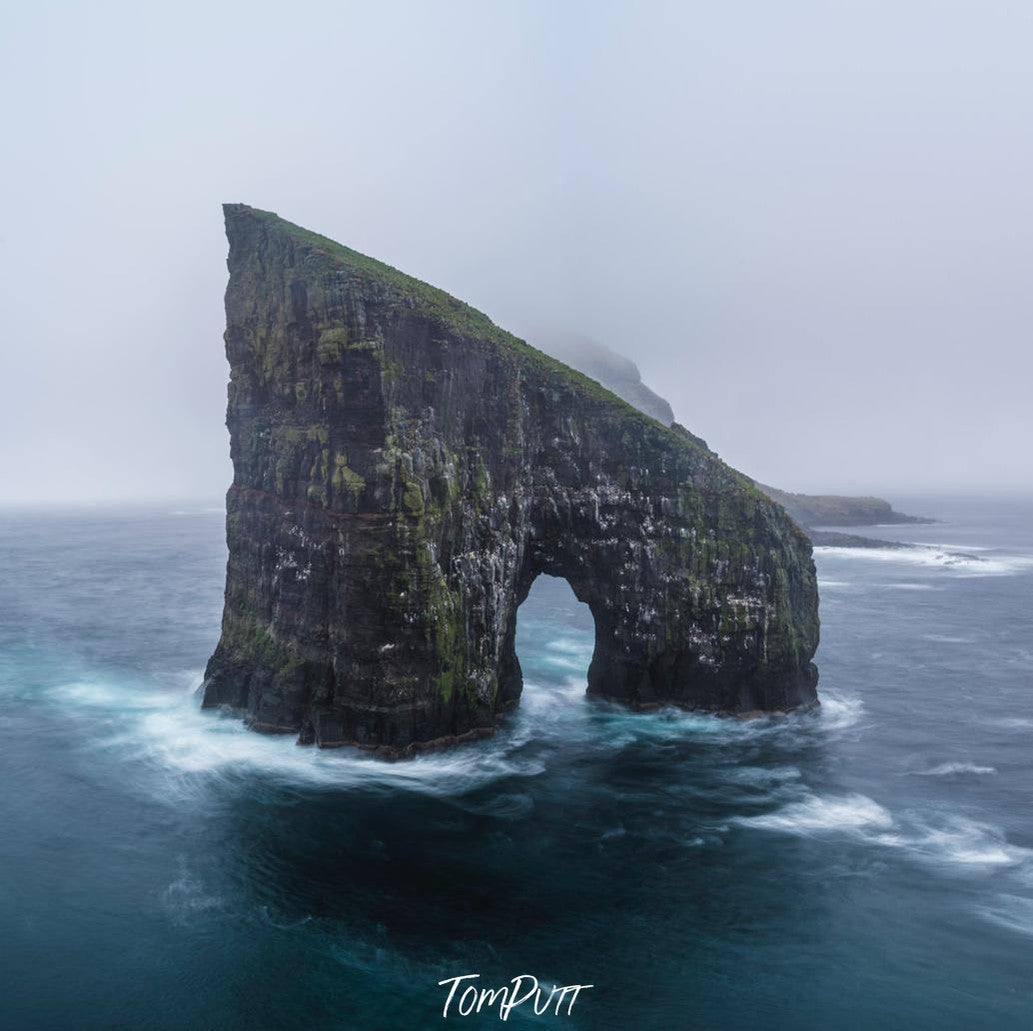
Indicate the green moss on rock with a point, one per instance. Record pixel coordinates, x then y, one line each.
404 469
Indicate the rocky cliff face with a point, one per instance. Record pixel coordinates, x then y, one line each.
403 470
621 375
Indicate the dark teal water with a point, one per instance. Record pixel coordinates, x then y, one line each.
870 866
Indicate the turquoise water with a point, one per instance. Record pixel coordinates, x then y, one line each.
868 866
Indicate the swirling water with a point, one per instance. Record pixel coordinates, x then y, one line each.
866 866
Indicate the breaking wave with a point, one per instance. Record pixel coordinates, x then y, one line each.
815 814
934 557
163 727
955 769
167 730
952 840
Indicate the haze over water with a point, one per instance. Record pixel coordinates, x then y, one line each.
809 223
870 865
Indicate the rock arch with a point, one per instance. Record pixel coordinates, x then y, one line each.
403 470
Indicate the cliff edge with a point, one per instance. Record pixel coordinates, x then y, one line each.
622 376
404 470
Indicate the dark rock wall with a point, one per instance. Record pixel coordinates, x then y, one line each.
619 374
403 470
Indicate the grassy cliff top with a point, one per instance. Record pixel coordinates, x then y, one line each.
456 314
837 509
460 319
464 321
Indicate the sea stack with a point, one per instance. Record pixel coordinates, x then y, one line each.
404 470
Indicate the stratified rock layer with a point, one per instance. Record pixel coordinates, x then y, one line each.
404 469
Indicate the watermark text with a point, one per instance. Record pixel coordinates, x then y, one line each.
465 998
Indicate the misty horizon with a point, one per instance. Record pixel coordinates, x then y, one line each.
810 231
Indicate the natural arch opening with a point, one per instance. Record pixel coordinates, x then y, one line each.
403 467
555 638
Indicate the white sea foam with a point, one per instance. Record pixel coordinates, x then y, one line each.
107 695
1005 565
916 555
952 546
816 814
200 744
186 748
933 557
840 712
955 769
570 646
955 841
947 639
168 730
958 842
567 662
559 702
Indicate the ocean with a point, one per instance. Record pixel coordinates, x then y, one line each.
868 865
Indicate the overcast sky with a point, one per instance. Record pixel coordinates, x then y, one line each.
809 223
